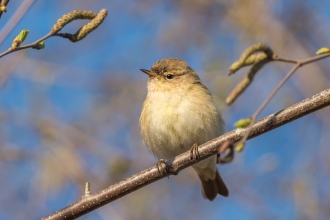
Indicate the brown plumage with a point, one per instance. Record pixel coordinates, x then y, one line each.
210 188
179 111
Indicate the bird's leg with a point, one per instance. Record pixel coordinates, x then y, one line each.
194 154
162 167
229 154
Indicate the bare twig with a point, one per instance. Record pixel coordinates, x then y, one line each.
263 105
182 161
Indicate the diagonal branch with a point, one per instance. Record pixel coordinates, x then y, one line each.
91 202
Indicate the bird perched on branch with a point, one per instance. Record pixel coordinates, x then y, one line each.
179 112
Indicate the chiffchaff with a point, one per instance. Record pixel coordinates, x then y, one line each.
179 111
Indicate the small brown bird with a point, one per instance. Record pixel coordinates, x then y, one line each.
179 111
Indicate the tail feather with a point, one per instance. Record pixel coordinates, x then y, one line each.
210 188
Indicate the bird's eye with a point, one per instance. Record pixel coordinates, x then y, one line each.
169 76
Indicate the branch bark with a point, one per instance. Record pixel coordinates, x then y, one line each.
91 202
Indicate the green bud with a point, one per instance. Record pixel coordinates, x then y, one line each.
243 123
240 147
19 39
40 45
323 50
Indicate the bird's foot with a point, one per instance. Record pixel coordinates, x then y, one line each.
228 149
162 167
194 154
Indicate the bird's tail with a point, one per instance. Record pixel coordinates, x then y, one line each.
210 188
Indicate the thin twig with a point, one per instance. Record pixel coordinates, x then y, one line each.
182 161
31 45
299 63
254 116
285 60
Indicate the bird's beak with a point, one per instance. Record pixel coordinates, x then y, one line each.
149 73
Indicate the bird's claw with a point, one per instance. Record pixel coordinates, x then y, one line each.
162 167
194 154
229 154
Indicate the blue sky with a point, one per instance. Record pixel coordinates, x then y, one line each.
95 87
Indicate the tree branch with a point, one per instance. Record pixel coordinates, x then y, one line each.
91 202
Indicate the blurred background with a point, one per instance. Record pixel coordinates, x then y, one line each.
70 113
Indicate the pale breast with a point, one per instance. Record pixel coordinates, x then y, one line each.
171 122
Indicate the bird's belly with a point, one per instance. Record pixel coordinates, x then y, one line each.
175 125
